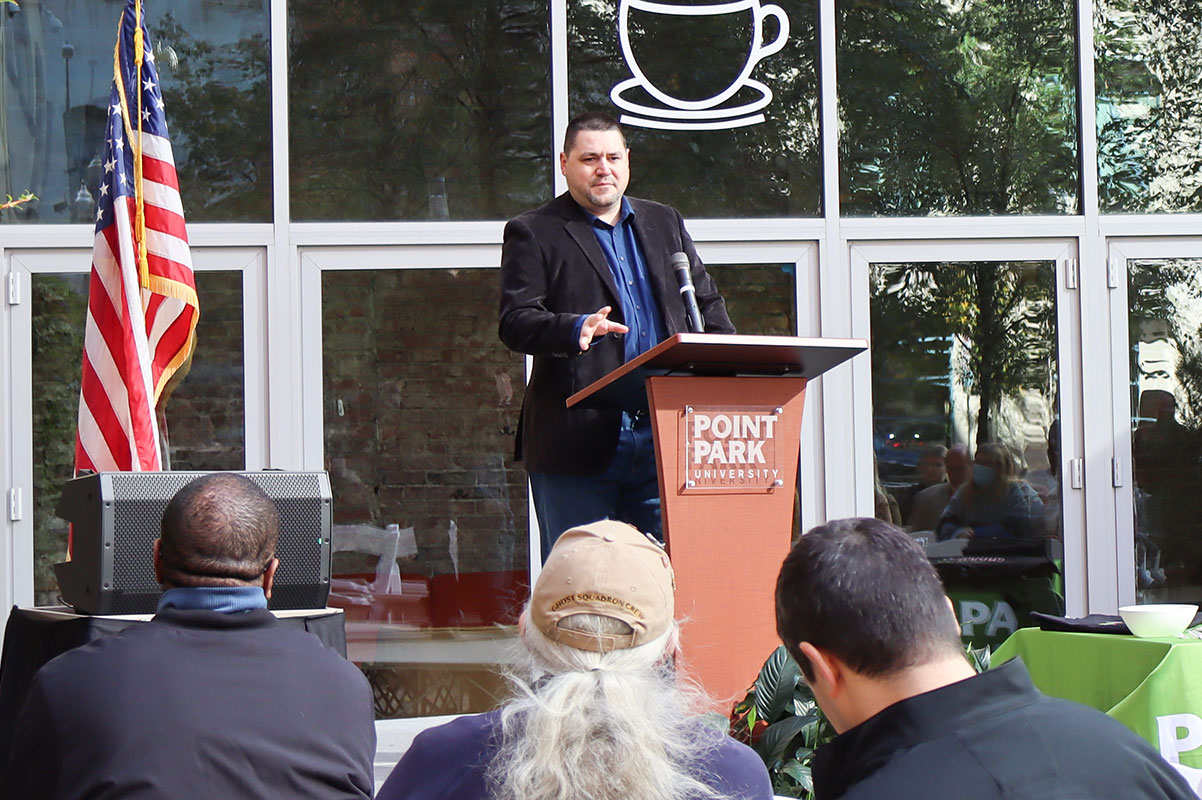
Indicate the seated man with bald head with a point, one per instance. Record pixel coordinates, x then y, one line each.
212 697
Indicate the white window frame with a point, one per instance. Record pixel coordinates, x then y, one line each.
1120 252
1059 251
21 264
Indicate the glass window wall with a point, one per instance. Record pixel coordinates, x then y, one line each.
203 421
720 123
1149 105
402 111
418 111
212 61
760 298
965 432
1165 317
431 548
957 108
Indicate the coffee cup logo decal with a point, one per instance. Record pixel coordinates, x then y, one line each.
736 105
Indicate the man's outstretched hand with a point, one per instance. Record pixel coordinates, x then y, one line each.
597 325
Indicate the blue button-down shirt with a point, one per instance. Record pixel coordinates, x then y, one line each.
640 310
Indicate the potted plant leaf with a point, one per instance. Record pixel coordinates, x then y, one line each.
780 720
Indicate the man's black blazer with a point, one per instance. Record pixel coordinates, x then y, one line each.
552 271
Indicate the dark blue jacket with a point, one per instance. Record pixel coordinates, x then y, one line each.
196 704
452 760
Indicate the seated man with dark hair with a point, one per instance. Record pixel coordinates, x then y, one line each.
864 614
212 697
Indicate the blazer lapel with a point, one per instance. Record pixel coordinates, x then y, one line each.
653 239
578 227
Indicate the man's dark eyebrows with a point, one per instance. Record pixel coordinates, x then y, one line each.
606 154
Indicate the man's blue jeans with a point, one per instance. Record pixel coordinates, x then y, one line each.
628 490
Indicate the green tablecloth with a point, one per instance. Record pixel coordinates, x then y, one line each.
1153 686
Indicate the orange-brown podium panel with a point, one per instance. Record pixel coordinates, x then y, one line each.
727 516
727 412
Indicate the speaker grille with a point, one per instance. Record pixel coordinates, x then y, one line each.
128 521
135 527
298 497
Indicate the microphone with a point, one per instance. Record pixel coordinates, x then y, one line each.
688 293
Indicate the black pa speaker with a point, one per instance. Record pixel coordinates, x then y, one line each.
116 518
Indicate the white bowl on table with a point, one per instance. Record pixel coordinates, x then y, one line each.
1155 620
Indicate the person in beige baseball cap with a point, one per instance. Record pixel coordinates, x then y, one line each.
601 708
607 569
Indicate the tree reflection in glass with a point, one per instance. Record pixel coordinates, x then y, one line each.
769 169
1165 298
964 356
58 71
1149 104
957 108
418 111
219 103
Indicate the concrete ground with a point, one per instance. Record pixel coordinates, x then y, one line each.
393 737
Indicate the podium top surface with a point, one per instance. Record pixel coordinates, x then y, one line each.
718 354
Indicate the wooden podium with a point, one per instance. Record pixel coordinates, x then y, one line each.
727 426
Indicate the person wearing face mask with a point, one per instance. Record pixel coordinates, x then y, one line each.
993 503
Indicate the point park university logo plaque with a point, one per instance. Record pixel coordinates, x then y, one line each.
730 449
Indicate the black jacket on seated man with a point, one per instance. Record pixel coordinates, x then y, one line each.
212 698
992 736
196 704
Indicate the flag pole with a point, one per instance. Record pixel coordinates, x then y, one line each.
139 194
140 330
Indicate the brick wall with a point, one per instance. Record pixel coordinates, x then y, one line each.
420 402
206 415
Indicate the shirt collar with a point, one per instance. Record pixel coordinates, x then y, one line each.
222 599
627 211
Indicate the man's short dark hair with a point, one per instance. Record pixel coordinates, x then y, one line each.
863 590
590 121
219 530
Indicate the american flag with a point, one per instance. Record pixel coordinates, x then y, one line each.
142 306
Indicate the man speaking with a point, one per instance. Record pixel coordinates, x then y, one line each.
587 283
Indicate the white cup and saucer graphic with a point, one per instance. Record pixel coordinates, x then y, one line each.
739 104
